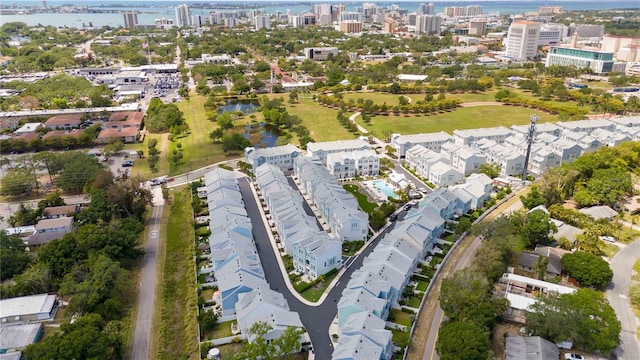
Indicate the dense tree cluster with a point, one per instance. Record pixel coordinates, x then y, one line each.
588 269
163 117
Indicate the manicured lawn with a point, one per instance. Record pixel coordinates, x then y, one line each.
141 166
350 248
321 121
315 292
400 317
363 200
422 286
178 304
636 269
377 97
414 302
223 329
461 118
227 351
464 97
400 338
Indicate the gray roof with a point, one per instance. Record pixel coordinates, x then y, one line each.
264 304
530 348
599 212
59 210
422 138
18 336
344 145
356 347
273 151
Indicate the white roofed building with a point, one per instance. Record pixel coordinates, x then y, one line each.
351 164
431 141
442 174
281 156
469 136
28 308
322 149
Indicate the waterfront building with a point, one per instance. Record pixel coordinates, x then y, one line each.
183 18
130 19
428 24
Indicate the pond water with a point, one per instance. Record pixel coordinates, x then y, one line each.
246 106
262 134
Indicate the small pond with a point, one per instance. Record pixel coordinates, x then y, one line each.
247 106
262 134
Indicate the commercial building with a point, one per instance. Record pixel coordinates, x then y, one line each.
428 24
625 48
320 53
130 19
350 16
522 40
183 18
597 60
26 309
552 34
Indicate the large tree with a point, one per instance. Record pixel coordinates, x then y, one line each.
462 293
78 169
587 268
462 341
608 186
537 228
14 258
583 317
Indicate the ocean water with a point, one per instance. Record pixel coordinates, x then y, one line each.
149 11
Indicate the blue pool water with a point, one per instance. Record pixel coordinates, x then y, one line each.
382 186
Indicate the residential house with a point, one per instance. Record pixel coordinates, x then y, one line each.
63 121
544 159
365 325
466 161
48 230
420 159
322 149
317 255
431 141
477 187
586 126
127 135
567 150
626 121
281 156
14 338
351 164
510 159
63 133
29 128
54 212
541 128
611 139
268 306
530 348
442 174
468 137
357 347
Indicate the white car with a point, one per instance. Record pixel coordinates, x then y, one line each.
571 356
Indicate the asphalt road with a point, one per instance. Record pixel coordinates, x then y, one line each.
617 293
316 319
430 348
417 184
146 297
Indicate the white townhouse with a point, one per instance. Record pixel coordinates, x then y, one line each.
431 141
364 334
442 174
468 137
476 187
420 159
338 207
628 121
609 138
543 159
632 132
442 202
317 255
567 149
351 164
322 149
466 161
511 160
281 156
542 128
589 144
586 126
266 305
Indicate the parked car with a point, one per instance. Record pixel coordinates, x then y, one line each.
128 163
393 217
572 356
407 207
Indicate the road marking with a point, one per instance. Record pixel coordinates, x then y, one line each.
623 296
154 234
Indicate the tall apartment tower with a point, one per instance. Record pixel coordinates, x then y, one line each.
428 24
262 22
426 9
454 11
522 40
130 19
477 27
474 10
182 15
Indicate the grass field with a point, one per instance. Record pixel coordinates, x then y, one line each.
178 327
363 200
377 97
315 292
461 118
322 122
400 317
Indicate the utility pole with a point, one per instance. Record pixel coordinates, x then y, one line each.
530 139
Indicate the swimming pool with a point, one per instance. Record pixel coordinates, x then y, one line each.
382 186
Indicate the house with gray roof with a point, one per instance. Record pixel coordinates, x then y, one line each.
466 161
431 141
357 347
321 150
628 121
420 159
48 230
355 163
611 139
530 348
268 306
355 301
586 126
442 174
567 149
368 326
544 158
280 156
469 136
542 128
317 255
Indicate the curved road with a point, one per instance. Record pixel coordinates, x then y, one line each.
617 293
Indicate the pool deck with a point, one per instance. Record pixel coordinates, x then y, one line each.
380 196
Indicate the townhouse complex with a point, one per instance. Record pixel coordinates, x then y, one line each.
377 286
446 162
243 293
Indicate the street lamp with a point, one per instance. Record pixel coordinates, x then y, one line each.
531 134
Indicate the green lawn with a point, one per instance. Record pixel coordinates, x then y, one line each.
377 97
400 317
223 329
322 122
636 269
314 293
141 166
363 200
400 338
414 302
422 286
178 304
461 118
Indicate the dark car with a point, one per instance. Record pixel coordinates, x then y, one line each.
393 217
127 163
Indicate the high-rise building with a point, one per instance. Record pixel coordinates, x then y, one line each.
454 11
426 9
522 40
368 10
552 34
428 24
44 4
262 22
197 20
542 10
164 24
350 15
130 19
182 15
477 27
473 10
296 20
351 26
310 19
